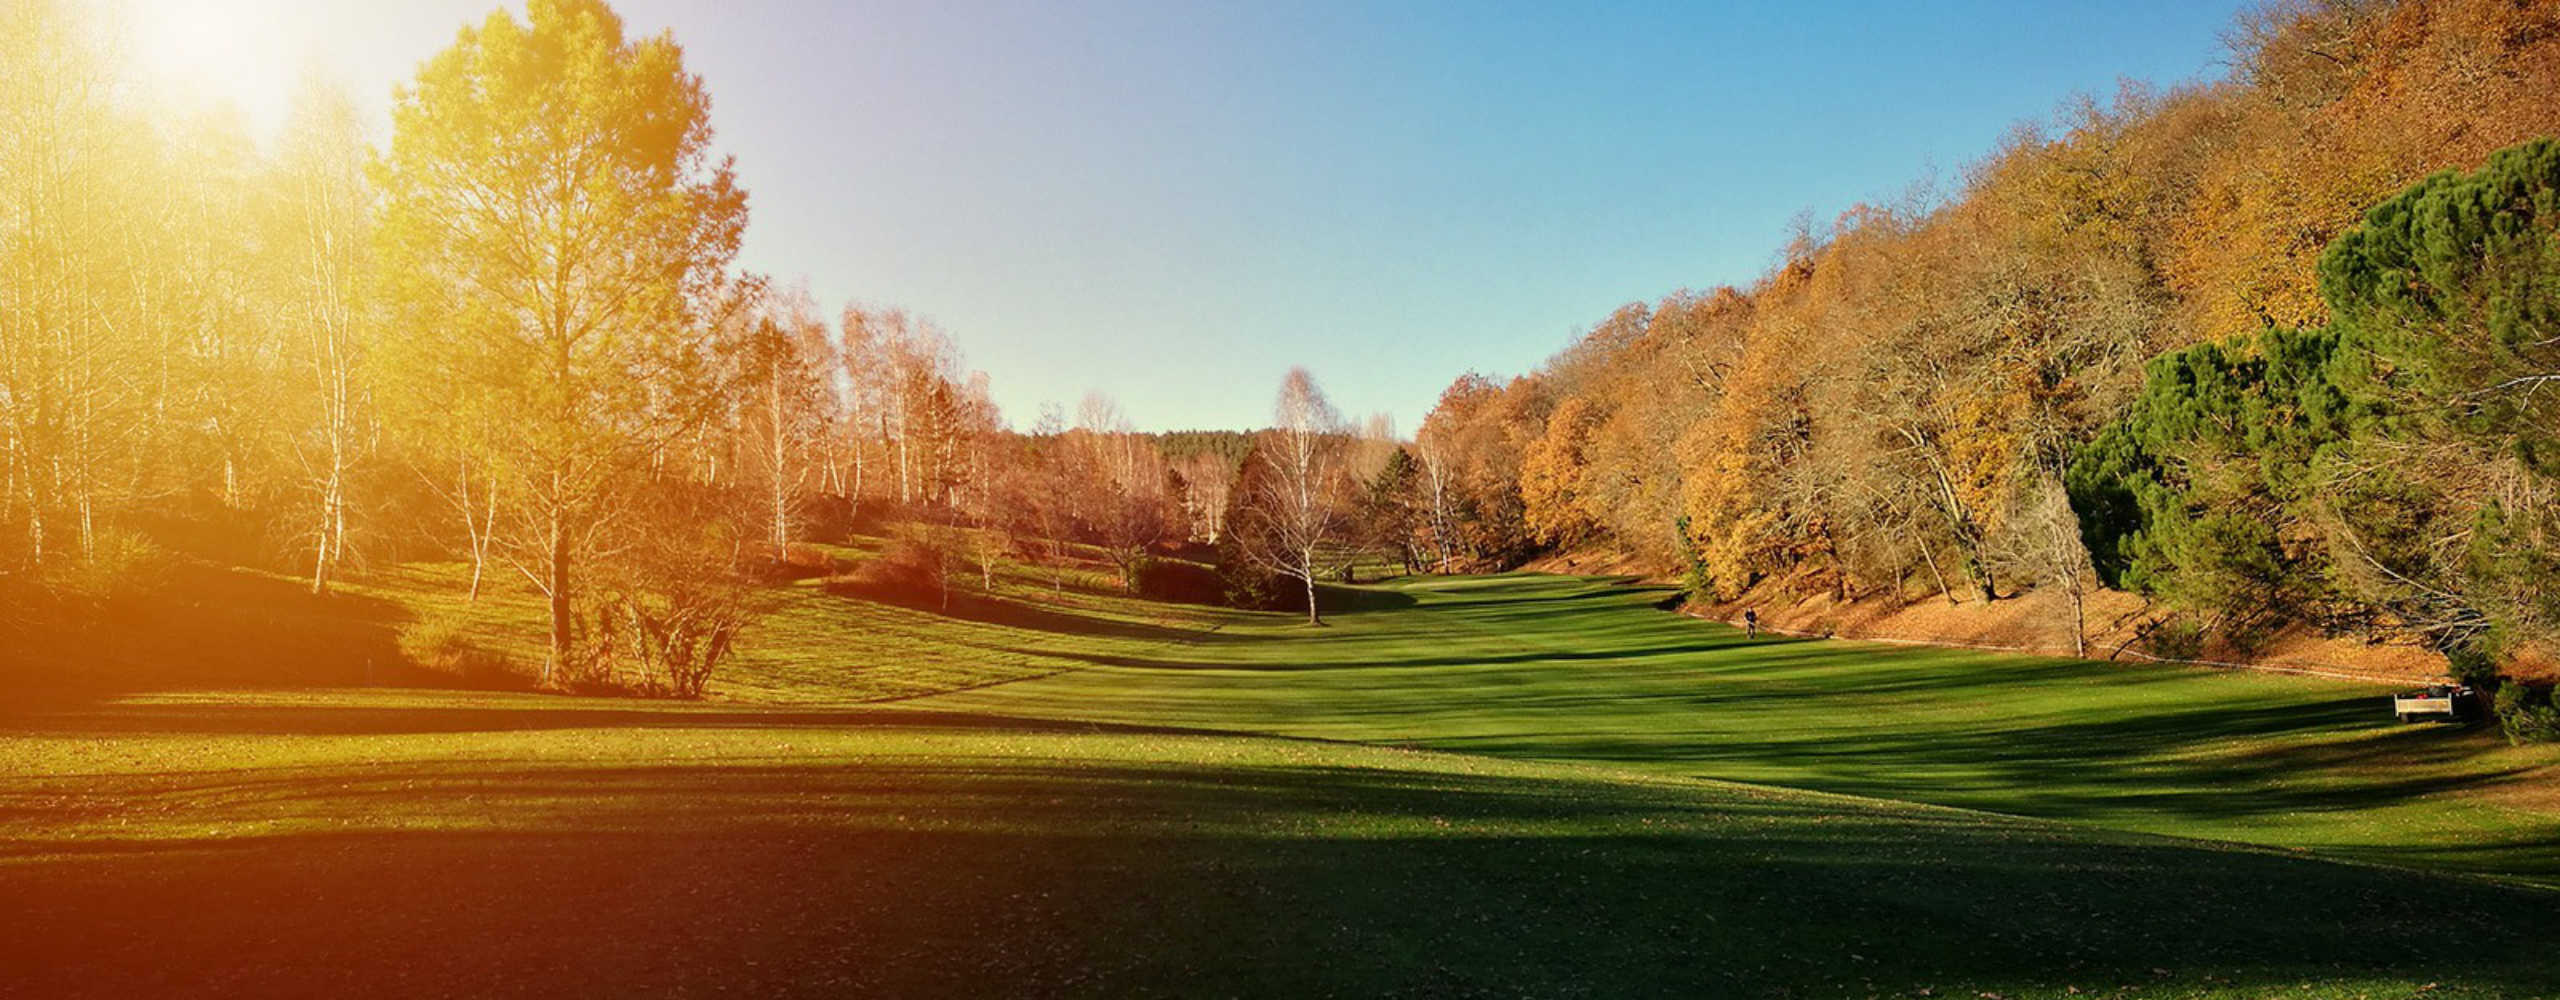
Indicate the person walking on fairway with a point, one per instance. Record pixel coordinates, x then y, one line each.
1751 624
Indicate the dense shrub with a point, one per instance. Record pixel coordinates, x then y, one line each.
122 567
666 636
2175 638
1180 581
2474 663
915 567
1245 584
1695 581
2528 713
796 561
827 517
442 641
670 606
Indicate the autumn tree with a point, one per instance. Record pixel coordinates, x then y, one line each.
2043 544
1472 444
1393 513
75 371
1208 481
787 367
1293 505
322 210
896 364
1049 502
1554 474
987 486
1122 500
555 220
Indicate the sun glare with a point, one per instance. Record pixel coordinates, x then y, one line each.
205 53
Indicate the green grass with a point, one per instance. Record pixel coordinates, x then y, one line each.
1570 669
1465 787
816 648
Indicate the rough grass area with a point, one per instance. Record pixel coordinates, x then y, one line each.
1461 787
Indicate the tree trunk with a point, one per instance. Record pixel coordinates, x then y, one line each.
853 489
1943 589
2079 622
1309 576
779 451
560 621
35 523
324 555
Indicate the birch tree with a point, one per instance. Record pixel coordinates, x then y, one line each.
69 342
555 219
789 359
1124 500
322 216
1296 503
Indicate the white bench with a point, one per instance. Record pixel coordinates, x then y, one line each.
2429 703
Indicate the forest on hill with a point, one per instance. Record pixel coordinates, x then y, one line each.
2269 350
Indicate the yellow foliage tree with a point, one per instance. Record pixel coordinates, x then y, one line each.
553 224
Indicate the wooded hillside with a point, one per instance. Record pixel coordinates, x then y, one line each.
1940 395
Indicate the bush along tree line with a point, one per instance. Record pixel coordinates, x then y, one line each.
2274 350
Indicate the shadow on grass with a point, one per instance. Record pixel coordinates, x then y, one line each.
1069 621
1337 599
185 719
980 870
202 626
1009 613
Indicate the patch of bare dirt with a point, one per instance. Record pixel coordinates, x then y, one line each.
1590 563
2041 622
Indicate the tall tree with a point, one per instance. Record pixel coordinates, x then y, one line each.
789 360
73 361
1555 472
555 221
323 211
1124 504
1296 506
2447 301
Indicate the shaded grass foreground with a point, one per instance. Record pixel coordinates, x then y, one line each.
451 844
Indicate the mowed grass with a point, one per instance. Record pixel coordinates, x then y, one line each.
401 843
1587 670
813 647
1469 787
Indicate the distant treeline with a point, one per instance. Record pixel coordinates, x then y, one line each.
2238 340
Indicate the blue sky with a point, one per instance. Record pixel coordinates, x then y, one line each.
1175 201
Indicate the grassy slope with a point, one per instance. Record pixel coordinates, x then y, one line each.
817 648
1560 668
1051 835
